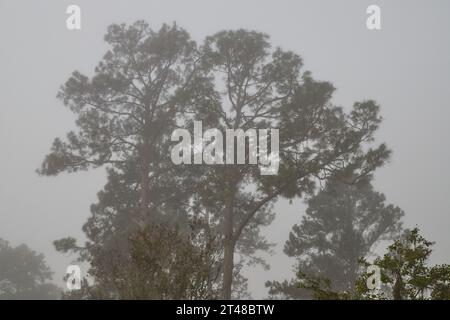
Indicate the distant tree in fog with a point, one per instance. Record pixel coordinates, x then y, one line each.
24 274
342 224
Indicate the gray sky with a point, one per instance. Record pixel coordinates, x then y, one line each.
405 67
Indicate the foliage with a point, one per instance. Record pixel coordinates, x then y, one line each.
127 110
164 262
151 82
258 86
24 274
343 222
405 274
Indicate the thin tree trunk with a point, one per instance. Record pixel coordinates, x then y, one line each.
145 183
398 288
228 261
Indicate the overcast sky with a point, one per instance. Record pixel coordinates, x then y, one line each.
405 67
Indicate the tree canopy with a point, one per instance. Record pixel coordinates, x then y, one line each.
24 274
152 82
405 274
342 223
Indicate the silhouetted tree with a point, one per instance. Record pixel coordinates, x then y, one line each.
126 113
152 82
127 110
24 274
342 223
260 87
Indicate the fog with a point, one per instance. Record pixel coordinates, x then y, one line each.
405 67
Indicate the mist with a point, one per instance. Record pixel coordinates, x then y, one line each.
404 67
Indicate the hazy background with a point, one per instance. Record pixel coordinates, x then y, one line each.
405 67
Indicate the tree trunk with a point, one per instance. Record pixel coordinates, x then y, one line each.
398 286
228 261
145 183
